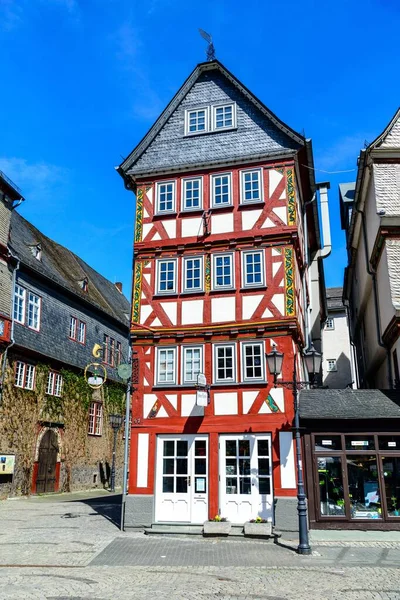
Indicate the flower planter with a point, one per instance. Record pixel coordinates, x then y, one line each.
217 528
258 529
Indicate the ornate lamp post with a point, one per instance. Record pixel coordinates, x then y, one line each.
313 363
116 423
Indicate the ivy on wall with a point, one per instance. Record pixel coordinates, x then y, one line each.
22 411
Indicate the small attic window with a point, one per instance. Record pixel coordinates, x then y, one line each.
36 250
85 284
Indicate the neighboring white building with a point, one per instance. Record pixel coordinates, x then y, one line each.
337 369
371 217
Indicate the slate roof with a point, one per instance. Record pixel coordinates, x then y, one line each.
66 269
259 132
334 298
350 404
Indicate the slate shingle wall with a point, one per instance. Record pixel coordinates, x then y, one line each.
255 133
5 274
52 340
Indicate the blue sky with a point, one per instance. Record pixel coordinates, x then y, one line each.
83 80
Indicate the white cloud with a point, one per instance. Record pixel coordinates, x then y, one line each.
36 180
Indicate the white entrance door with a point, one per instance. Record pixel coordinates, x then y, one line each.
245 469
182 478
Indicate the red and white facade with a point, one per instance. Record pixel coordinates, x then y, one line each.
220 276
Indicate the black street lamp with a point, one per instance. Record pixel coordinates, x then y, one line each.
116 423
313 363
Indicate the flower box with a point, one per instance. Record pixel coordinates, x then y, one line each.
258 529
217 528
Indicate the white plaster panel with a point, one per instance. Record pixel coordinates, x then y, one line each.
249 218
145 381
143 296
223 309
192 312
145 311
148 403
156 236
191 227
222 223
286 457
275 268
147 351
149 194
281 212
145 214
170 228
248 399
283 195
275 252
274 179
282 283
142 460
278 300
268 223
162 413
264 409
173 398
170 309
146 229
279 397
157 322
249 305
189 406
226 404
267 314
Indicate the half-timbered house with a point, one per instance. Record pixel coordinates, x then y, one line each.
227 264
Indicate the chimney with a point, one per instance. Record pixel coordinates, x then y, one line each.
118 285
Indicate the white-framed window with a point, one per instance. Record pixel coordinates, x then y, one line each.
19 304
54 384
95 425
221 194
224 363
193 273
82 332
166 366
118 354
253 361
251 186
224 116
223 271
331 364
34 305
192 193
165 197
24 375
253 268
166 276
73 325
196 120
192 363
330 323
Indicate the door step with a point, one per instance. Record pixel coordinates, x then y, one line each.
179 529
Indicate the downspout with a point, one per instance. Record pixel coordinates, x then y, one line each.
326 229
12 342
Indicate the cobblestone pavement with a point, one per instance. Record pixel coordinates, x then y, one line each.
52 550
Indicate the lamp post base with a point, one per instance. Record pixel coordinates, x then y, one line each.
306 550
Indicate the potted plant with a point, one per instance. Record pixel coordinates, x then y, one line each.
396 511
258 527
217 526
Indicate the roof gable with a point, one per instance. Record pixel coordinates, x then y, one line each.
390 137
259 132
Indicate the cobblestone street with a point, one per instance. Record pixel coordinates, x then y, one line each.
53 549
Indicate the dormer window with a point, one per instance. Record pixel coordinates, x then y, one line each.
36 250
196 121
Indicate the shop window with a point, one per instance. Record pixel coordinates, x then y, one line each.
389 442
360 442
364 493
391 476
328 442
331 491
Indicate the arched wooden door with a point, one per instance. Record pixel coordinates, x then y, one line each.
48 450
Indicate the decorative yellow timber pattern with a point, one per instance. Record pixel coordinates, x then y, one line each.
272 405
139 216
137 291
291 197
207 277
289 282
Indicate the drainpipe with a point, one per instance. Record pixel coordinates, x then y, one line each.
12 342
326 229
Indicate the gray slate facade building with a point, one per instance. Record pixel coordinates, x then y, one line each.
337 365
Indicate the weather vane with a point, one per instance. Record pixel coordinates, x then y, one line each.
210 48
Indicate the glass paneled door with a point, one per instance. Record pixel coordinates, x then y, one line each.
182 479
245 477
